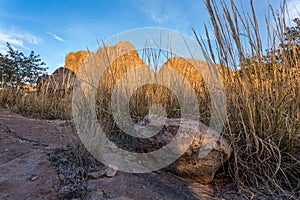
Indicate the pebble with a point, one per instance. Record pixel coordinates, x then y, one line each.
111 171
97 174
33 178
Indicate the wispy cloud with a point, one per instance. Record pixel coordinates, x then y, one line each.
159 11
60 64
16 38
157 19
160 18
293 8
32 39
2 49
7 37
56 37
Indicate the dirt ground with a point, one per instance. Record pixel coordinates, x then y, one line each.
39 159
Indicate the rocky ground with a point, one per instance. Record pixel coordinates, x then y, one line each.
43 159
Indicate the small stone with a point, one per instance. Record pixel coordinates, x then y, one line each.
97 174
60 128
33 178
61 177
111 171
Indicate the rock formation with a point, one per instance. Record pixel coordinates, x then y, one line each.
205 155
185 69
74 60
113 62
61 81
121 58
196 71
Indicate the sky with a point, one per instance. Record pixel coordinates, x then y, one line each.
54 28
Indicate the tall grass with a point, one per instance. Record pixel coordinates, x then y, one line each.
263 114
46 104
263 121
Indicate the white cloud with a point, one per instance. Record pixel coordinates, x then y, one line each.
157 20
56 37
10 38
160 19
2 49
160 11
32 39
16 39
293 8
60 64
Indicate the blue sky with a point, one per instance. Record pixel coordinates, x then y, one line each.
54 28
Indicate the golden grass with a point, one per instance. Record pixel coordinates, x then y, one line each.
263 113
263 121
47 104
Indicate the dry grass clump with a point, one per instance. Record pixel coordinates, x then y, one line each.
263 121
46 104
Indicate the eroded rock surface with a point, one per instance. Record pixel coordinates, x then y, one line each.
205 154
25 172
74 60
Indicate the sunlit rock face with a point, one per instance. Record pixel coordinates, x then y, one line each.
74 60
197 72
203 156
117 61
113 62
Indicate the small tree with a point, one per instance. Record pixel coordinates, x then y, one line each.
16 69
288 52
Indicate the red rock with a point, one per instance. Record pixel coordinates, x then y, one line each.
214 148
74 60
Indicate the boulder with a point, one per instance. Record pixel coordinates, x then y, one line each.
112 63
197 72
61 81
74 60
205 155
118 59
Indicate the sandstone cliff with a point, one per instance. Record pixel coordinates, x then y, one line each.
121 58
196 71
74 60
